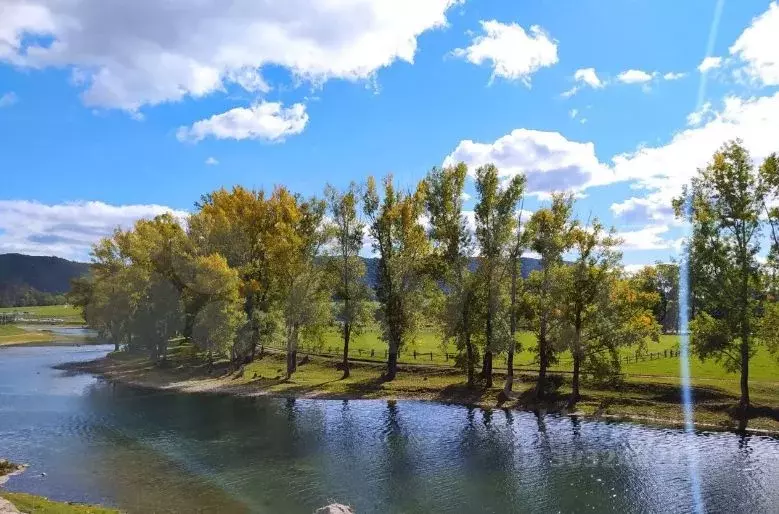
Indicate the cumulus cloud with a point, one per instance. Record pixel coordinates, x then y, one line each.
709 63
663 170
131 54
634 77
647 238
66 230
549 160
8 99
211 161
513 53
674 76
267 121
758 47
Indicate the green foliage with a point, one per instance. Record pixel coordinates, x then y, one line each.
403 248
550 234
495 223
725 204
345 269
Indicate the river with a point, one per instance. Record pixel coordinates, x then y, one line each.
150 451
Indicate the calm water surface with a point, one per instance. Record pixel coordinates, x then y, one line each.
146 451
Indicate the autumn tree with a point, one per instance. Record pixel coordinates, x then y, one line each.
217 322
346 269
495 222
550 236
663 279
305 304
403 247
246 227
599 310
724 204
452 253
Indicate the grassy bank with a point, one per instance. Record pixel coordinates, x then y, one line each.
31 504
647 398
13 335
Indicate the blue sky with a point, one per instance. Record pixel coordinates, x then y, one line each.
110 111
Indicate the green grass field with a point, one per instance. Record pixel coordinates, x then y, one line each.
55 311
763 366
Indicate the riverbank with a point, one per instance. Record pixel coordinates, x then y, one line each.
13 335
12 503
652 400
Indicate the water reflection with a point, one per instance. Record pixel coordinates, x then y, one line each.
148 451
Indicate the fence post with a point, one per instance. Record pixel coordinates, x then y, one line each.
431 355
415 354
371 352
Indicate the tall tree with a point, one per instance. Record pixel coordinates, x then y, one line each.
599 311
518 246
403 247
495 222
303 286
346 268
724 204
453 250
549 233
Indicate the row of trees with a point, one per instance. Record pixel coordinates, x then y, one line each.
248 269
251 269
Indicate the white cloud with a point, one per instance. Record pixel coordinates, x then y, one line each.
66 230
709 63
549 160
211 161
695 118
663 170
268 121
514 53
584 77
758 47
647 238
589 77
573 112
8 99
674 76
634 77
131 54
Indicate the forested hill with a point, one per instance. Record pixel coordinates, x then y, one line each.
30 280
372 268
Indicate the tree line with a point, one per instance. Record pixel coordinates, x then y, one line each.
249 268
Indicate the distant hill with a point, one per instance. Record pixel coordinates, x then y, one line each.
372 268
30 280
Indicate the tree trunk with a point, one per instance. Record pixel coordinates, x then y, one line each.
392 364
470 358
487 367
543 362
347 336
509 370
744 402
292 352
577 361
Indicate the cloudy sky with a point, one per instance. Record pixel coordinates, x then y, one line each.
113 110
